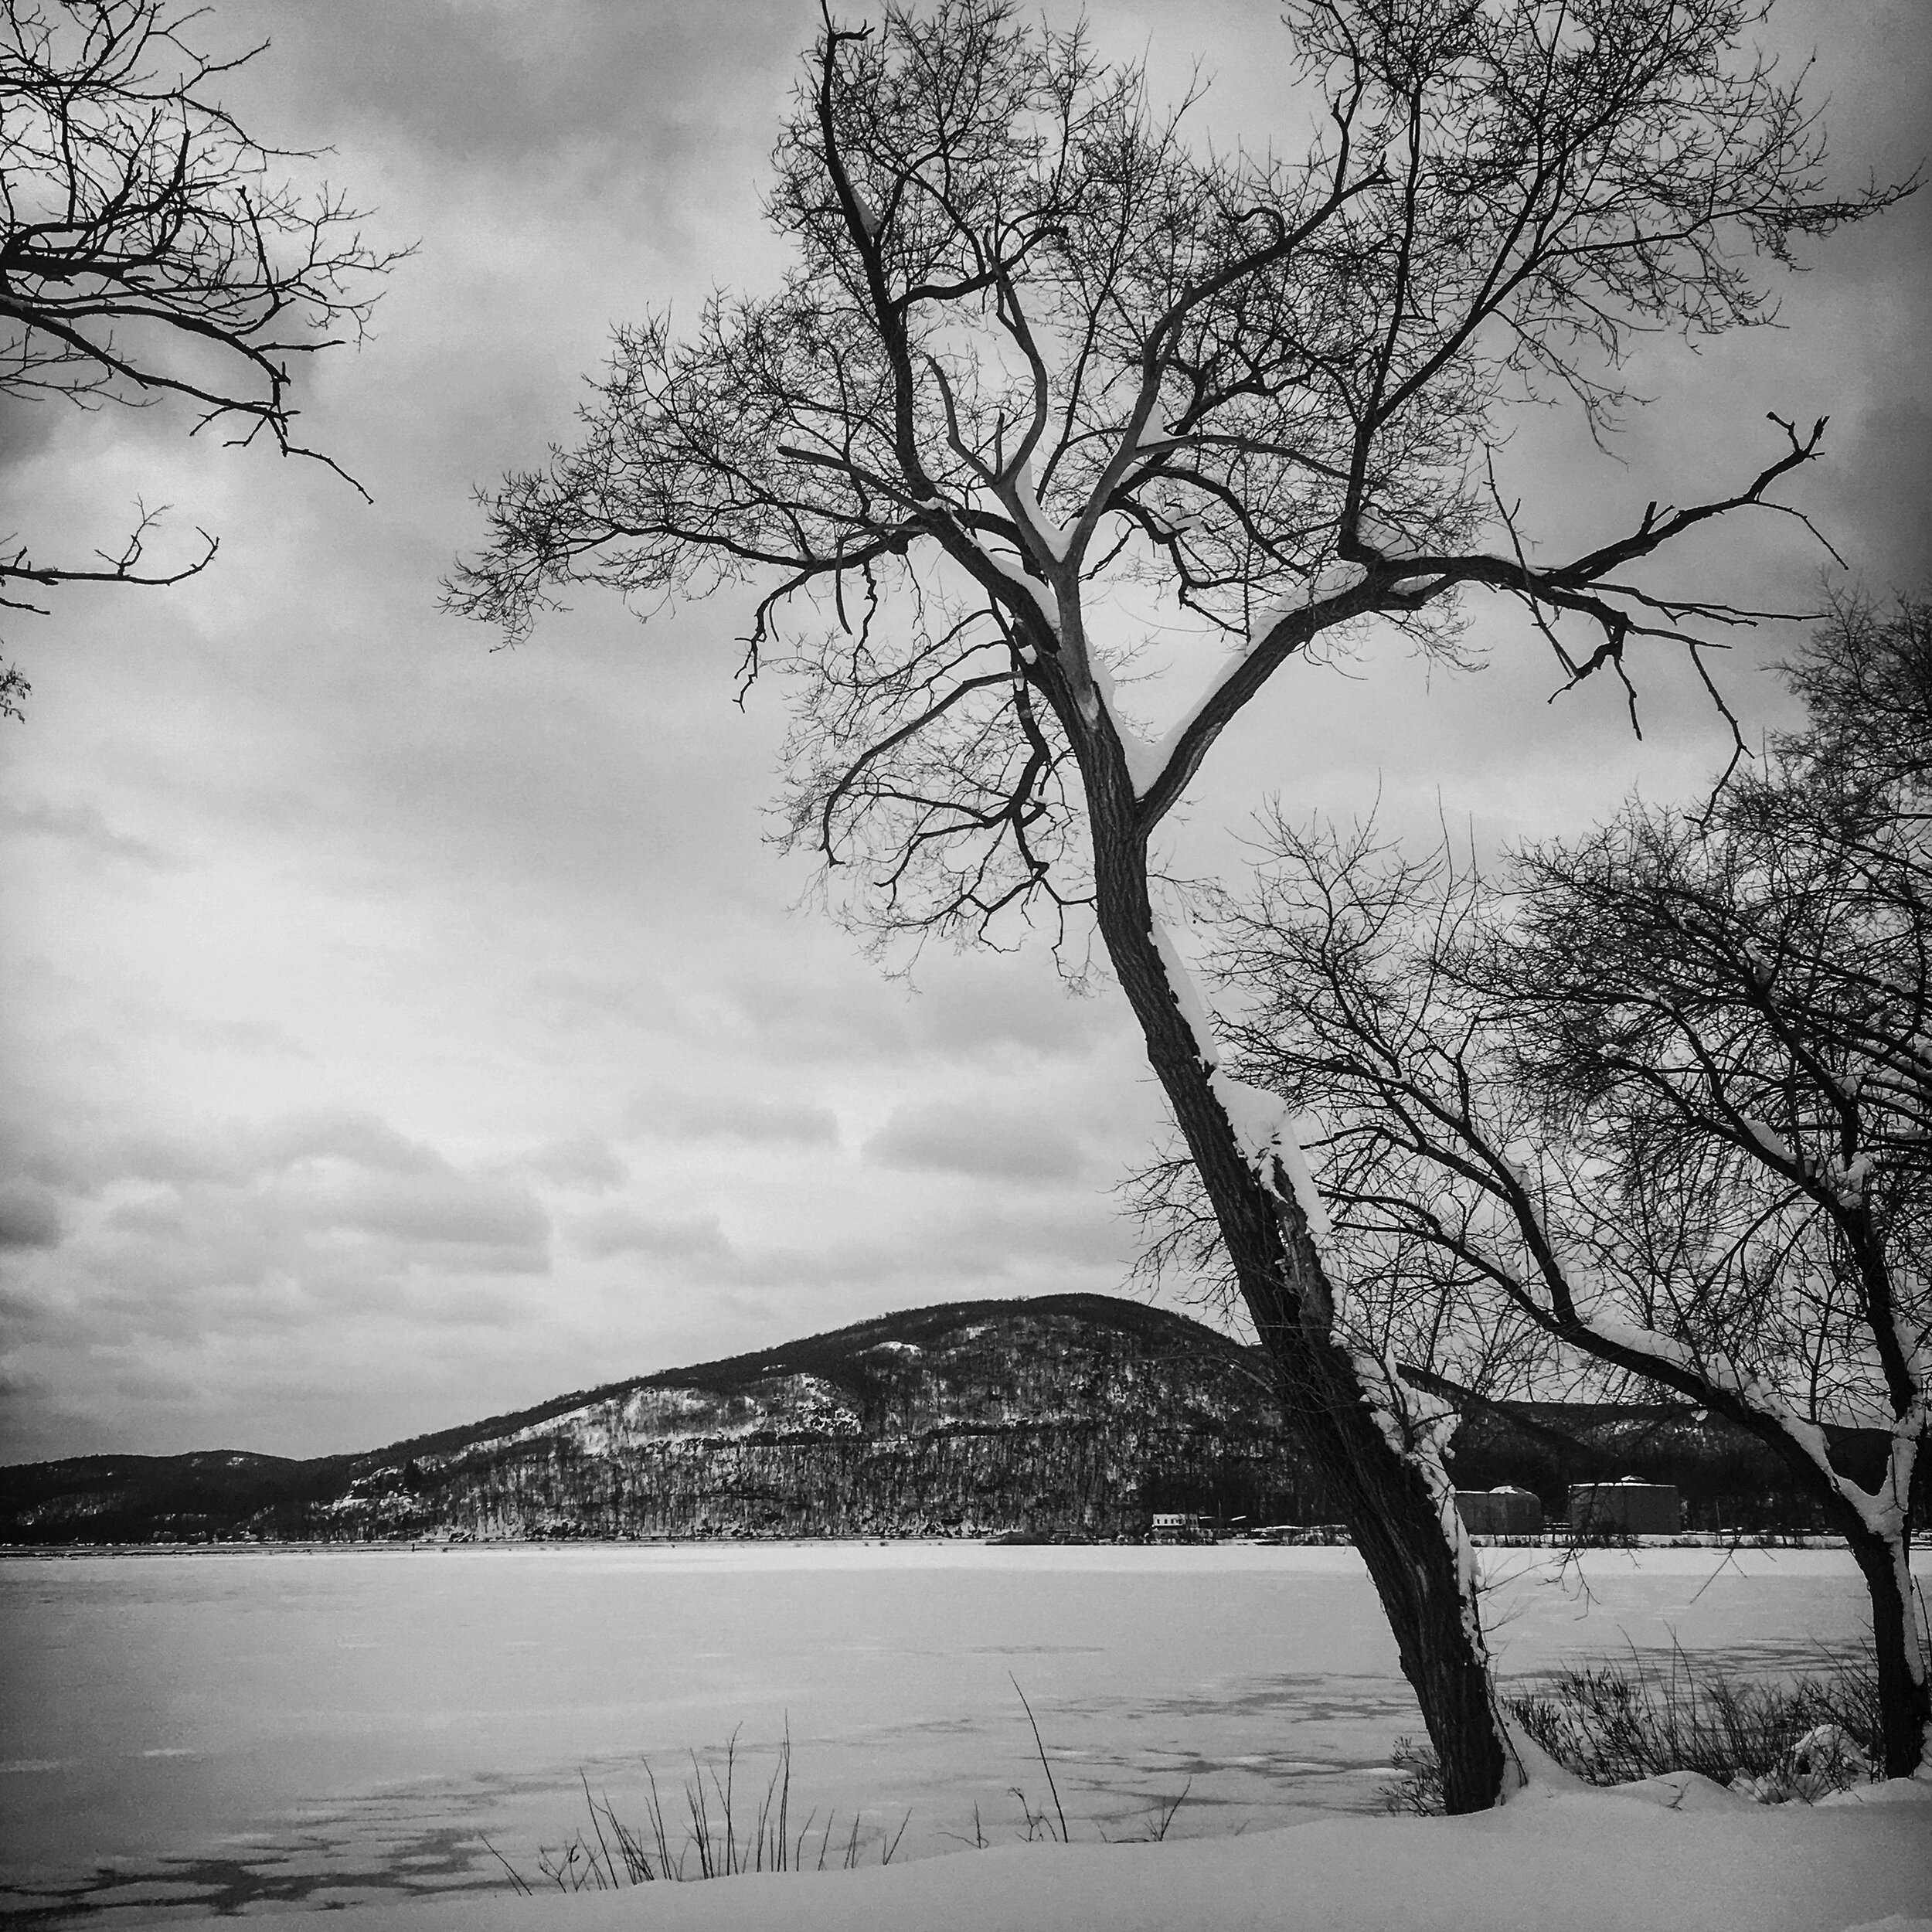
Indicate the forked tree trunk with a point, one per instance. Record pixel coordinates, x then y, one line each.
1379 1491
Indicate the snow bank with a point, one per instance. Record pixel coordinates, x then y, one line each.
1679 1854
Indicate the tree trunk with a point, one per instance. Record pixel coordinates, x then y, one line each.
1396 1523
1904 1692
1883 1558
1379 1492
1883 1555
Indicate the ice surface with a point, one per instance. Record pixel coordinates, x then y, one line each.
327 1725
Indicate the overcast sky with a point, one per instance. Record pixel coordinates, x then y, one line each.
397 1032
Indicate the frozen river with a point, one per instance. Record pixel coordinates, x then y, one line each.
303 1727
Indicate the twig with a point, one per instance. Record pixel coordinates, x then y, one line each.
1041 1748
516 1877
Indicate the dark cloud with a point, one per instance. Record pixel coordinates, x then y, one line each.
481 1214
26 426
568 1002
29 1216
297 855
1022 1015
583 1160
673 1113
253 1039
283 1225
619 93
987 1142
1887 491
83 827
814 1007
242 1153
621 1231
1001 1241
57 1161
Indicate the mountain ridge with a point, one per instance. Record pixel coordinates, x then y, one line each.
1077 1415
728 1371
852 1430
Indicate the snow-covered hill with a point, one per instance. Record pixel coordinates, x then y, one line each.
1077 1414
1069 1415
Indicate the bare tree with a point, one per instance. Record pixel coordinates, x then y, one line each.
1754 988
1042 367
151 251
1665 1096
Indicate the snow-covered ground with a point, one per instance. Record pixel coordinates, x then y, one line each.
290 1728
1687 1857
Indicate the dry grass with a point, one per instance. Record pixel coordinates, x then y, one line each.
1615 1723
714 1836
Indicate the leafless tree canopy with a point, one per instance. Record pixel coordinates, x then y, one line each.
1038 354
1662 1095
151 248
1045 370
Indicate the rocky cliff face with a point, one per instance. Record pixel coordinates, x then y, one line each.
1072 1415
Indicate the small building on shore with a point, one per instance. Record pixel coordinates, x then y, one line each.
1180 1526
1626 1509
1504 1511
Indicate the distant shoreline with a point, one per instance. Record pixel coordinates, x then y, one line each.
1700 1540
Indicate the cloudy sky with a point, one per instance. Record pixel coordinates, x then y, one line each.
396 1031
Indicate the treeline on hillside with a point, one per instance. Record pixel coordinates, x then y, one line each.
1729 1480
199 1498
1075 1415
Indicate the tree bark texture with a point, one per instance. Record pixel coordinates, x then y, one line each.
1378 1492
1905 1693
